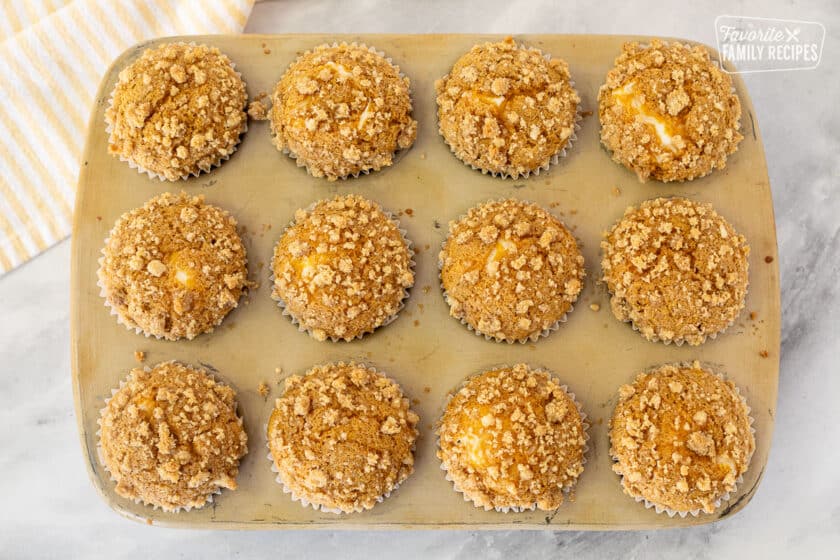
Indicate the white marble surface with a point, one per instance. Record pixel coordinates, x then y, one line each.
50 510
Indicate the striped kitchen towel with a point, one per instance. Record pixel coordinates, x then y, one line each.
53 54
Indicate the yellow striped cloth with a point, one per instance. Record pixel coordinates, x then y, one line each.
52 56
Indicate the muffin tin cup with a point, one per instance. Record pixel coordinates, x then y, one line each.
567 490
411 265
219 160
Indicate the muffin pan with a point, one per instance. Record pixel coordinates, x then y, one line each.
425 350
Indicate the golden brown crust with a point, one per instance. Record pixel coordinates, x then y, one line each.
505 109
675 269
668 112
177 110
681 437
342 110
342 436
512 438
174 267
510 269
342 268
170 437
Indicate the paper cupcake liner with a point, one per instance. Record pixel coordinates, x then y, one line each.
319 507
533 337
411 265
219 160
101 457
584 425
658 508
299 161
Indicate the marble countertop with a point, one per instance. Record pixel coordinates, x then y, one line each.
51 509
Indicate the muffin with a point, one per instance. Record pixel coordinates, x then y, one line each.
342 268
342 110
176 111
341 437
170 437
173 268
510 270
668 112
513 438
676 270
681 438
507 109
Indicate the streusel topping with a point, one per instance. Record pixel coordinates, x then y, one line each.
681 437
341 110
668 112
170 436
173 267
177 110
342 268
342 436
676 269
512 438
505 109
510 270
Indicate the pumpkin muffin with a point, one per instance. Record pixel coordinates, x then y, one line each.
513 438
507 109
342 437
176 111
676 270
342 268
510 270
342 110
682 438
170 437
173 268
668 112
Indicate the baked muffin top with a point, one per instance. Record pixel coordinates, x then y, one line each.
177 110
342 110
668 112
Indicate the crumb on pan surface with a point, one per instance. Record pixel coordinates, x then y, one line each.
177 110
342 436
676 269
174 267
667 112
170 437
510 269
342 268
506 109
342 110
512 438
681 437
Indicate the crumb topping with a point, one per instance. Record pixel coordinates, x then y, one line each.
174 267
177 110
342 436
505 109
170 436
510 269
512 438
341 110
668 112
342 269
676 269
681 437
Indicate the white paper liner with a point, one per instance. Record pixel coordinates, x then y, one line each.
725 497
584 425
300 161
319 507
533 337
411 265
101 458
220 159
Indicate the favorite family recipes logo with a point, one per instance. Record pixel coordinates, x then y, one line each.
754 44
